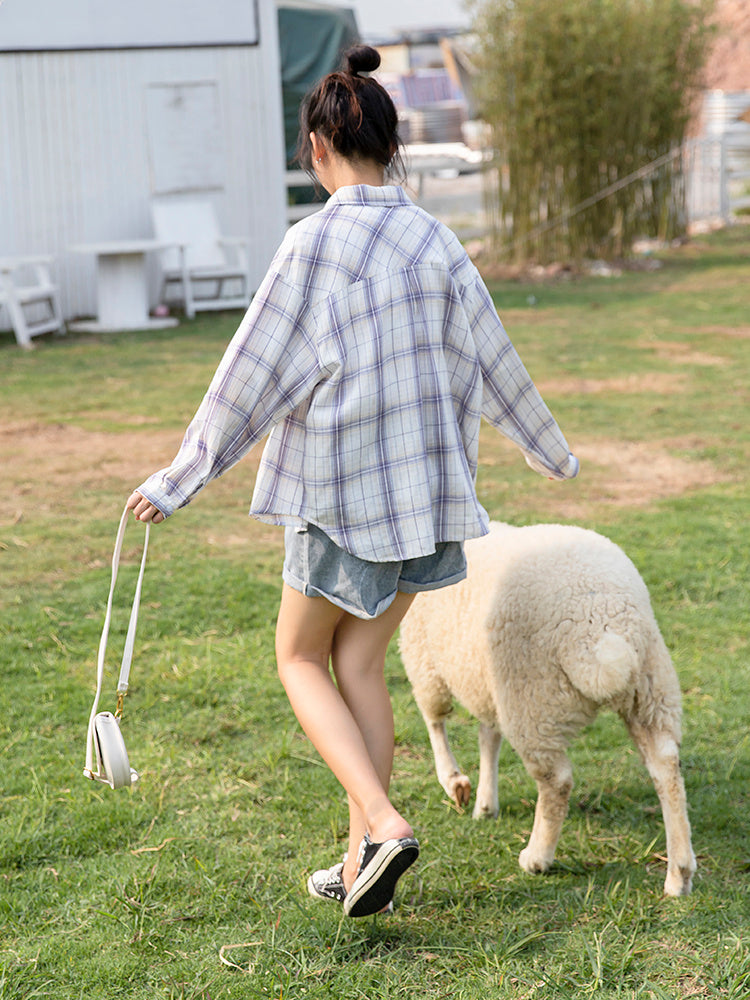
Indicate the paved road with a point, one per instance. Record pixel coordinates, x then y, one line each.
456 201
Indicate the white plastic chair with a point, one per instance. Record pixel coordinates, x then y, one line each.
30 297
203 268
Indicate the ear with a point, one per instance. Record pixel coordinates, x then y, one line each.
318 147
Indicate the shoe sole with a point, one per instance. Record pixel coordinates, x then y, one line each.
374 888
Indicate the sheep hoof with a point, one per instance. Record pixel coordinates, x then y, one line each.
460 790
483 811
534 865
678 882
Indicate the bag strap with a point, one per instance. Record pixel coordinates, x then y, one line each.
127 655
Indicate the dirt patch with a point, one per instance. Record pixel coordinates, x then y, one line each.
634 473
659 383
735 332
48 466
59 457
684 354
623 474
512 318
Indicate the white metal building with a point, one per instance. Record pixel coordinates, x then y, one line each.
104 104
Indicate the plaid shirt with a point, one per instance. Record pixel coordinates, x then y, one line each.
370 352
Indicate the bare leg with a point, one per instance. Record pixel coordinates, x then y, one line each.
351 726
358 661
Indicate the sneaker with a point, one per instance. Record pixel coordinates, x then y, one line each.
328 883
380 867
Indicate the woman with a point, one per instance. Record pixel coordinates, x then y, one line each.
370 352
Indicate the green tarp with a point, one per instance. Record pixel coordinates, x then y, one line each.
312 38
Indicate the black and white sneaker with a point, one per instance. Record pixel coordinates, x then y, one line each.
380 867
328 883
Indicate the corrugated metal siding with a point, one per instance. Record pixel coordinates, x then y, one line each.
74 149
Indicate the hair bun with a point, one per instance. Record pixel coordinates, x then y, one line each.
361 59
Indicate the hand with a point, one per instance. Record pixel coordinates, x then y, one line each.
143 509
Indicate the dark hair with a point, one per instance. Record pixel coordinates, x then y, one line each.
354 113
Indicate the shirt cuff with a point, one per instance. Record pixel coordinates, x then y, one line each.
567 471
153 490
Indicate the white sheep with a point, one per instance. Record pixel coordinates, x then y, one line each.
552 623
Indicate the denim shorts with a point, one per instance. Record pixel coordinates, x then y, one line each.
317 567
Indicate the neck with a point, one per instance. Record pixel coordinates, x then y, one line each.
345 173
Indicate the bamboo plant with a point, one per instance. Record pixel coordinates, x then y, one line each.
588 102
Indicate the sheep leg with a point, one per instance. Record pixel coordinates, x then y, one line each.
660 753
455 784
489 753
554 779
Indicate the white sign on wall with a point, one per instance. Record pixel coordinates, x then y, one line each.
185 137
49 25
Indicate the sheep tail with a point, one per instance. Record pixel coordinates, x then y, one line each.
604 671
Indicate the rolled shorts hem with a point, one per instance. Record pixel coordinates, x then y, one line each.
309 591
410 587
316 567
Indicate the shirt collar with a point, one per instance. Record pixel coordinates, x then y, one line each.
363 194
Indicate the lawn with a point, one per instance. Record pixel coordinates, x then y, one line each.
192 884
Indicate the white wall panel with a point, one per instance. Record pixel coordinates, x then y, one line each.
43 25
75 158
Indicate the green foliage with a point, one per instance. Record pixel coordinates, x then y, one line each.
191 886
580 96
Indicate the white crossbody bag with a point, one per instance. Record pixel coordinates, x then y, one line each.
104 741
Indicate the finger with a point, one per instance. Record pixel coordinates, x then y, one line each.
152 514
133 500
143 509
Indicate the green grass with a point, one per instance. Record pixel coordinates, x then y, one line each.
141 894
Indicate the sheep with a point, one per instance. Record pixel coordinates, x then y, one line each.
552 624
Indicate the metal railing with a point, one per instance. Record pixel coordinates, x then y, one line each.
717 170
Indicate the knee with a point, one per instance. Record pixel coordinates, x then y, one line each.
292 667
553 773
360 669
295 650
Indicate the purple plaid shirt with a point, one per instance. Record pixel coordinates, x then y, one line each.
370 352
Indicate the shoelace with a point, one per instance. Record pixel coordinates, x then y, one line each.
361 852
334 875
